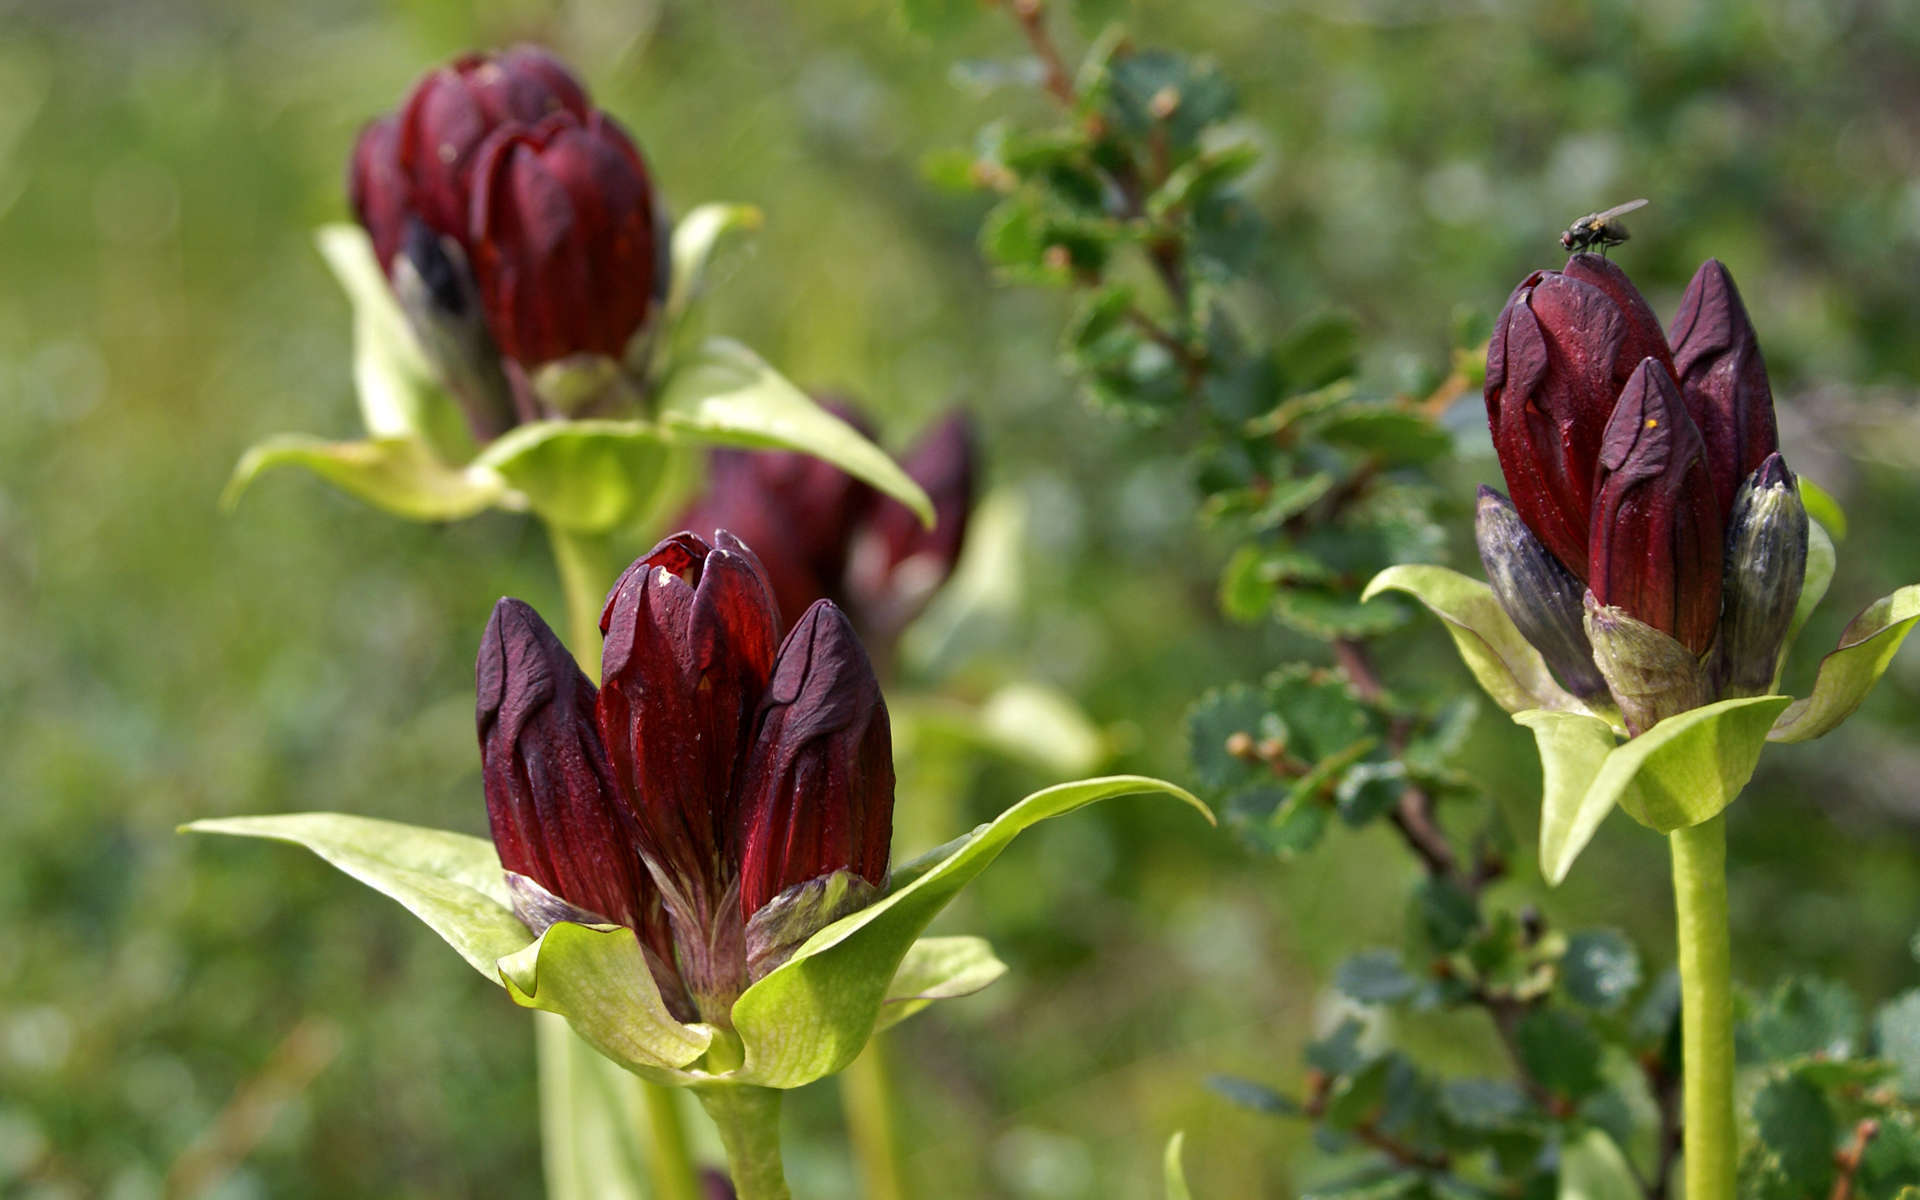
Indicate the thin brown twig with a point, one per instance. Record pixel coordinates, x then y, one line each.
1665 1086
1032 16
1848 1160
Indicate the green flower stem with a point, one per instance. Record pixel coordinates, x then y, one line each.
866 1096
1706 1006
749 1121
587 567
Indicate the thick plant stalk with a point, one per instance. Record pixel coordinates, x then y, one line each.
1706 1007
586 567
866 1096
749 1121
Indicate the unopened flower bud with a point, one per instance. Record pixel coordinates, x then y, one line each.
1650 675
1766 565
1560 354
1716 358
1540 594
1655 548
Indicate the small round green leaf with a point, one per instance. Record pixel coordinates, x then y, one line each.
398 474
1592 1168
449 880
812 1014
585 476
723 394
1505 664
1867 647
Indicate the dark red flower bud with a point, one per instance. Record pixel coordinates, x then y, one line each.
1723 379
1559 356
690 638
562 231
898 563
453 110
1656 548
377 187
818 795
555 813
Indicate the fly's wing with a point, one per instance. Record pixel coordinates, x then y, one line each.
1618 210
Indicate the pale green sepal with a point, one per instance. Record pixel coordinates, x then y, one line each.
399 393
1822 507
695 236
1505 663
938 968
449 880
1176 1173
584 476
400 475
596 976
1572 747
1821 561
723 394
810 1016
1867 646
1688 767
1592 1168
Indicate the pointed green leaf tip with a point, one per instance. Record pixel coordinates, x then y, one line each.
811 1015
723 394
1867 647
695 237
1176 1173
398 474
1502 661
449 880
1681 772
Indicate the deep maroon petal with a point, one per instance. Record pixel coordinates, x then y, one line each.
377 188
1642 337
451 111
819 784
1656 548
561 223
551 804
690 641
1723 379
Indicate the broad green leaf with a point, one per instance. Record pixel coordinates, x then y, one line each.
1592 1168
1561 1051
1176 1174
1252 1095
1375 977
723 394
1687 768
811 1015
1896 1029
449 880
596 976
1802 1017
938 968
586 476
400 397
1572 747
1822 507
1504 662
1821 561
1867 646
400 475
1797 1132
695 236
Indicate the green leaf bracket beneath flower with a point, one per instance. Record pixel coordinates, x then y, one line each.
807 1018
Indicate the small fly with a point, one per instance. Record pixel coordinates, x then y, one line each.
1602 229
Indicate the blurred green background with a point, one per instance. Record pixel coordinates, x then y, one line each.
161 306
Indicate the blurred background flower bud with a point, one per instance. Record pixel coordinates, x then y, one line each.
1542 597
1766 565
